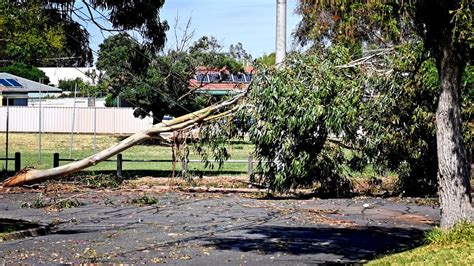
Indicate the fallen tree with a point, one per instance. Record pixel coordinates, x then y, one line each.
185 122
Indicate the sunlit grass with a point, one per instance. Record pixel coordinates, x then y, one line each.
27 145
454 247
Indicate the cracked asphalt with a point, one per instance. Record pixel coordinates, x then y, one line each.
214 229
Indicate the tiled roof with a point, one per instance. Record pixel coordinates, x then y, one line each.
217 86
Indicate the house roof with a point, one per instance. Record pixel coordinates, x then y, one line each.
27 85
217 86
4 89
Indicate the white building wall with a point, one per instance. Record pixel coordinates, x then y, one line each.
64 73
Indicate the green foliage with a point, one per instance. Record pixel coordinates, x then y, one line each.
350 23
83 88
52 203
144 200
398 122
455 246
267 59
158 83
152 83
461 232
46 33
101 181
297 107
387 119
26 71
206 52
26 36
238 52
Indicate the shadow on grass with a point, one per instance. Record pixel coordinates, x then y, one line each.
133 174
323 243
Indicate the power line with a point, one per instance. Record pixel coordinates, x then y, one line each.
135 105
136 50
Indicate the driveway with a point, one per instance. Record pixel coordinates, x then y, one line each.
213 229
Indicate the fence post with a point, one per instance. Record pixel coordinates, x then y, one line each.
17 161
55 159
119 165
184 165
250 165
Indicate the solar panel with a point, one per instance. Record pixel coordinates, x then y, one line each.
228 78
5 83
201 78
239 78
214 77
14 83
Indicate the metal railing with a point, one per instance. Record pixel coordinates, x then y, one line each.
184 163
16 158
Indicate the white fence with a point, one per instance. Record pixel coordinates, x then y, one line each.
59 120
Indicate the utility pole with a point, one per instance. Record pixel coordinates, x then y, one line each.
40 121
7 132
71 141
280 32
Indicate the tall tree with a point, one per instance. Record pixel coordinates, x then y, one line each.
156 84
72 46
238 52
25 34
446 29
207 52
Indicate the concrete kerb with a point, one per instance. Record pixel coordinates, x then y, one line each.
42 229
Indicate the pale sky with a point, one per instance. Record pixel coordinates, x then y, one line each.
251 22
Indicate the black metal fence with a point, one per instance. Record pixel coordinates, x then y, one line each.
16 158
120 160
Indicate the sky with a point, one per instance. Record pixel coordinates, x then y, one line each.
251 22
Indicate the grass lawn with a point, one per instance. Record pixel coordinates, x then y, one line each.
27 144
455 247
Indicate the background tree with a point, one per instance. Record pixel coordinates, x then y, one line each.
207 52
82 88
156 84
49 28
238 52
27 72
25 34
446 30
267 59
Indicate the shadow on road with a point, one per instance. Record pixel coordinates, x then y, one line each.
351 244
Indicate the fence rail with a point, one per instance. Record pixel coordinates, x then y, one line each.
184 164
17 160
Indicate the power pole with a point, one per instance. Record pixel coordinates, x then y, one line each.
40 118
280 32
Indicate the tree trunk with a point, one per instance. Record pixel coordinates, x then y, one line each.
183 122
453 164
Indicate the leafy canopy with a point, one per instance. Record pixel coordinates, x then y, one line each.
25 33
156 83
25 71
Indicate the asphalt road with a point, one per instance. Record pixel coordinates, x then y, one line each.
214 229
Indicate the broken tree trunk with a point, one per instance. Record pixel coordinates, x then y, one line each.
180 123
